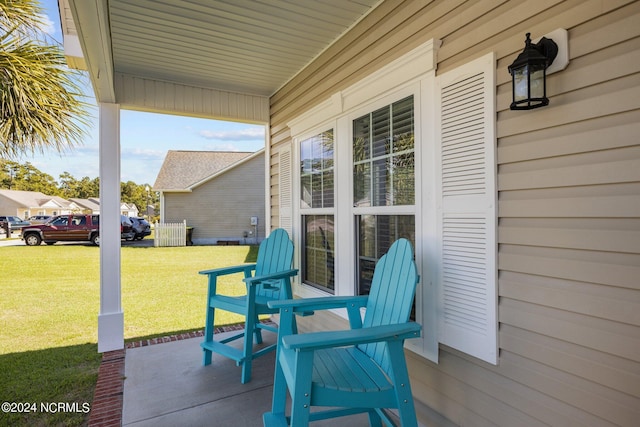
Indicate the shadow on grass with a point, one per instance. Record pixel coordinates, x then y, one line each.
41 379
252 255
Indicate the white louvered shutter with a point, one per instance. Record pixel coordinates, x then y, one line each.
467 209
286 184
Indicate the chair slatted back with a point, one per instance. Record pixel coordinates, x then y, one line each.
275 254
391 296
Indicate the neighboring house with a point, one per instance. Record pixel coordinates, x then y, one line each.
89 206
92 205
29 203
216 192
129 209
526 224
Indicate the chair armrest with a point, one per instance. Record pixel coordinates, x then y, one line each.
229 270
321 303
329 339
279 275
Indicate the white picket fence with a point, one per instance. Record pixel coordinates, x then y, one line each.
170 234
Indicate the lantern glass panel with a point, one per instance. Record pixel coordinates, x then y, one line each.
520 83
537 83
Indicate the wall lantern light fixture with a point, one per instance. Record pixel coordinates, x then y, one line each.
529 74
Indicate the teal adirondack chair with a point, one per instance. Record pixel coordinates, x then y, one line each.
270 281
354 371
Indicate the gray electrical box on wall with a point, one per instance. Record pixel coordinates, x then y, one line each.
254 220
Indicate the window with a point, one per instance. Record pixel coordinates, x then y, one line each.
414 156
61 221
383 178
316 207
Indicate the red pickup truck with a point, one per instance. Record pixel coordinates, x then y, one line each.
71 228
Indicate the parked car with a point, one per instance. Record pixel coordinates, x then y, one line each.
39 219
126 228
15 222
72 228
141 227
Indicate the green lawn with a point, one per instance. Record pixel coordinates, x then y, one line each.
49 309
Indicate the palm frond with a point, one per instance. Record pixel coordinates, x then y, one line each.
41 104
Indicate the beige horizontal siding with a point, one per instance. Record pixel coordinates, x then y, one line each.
618 270
171 98
598 134
587 238
222 207
568 206
598 367
588 331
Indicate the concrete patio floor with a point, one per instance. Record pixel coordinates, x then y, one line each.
166 385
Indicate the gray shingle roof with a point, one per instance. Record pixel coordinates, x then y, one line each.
182 169
33 199
92 204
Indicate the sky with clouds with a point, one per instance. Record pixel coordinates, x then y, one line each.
145 138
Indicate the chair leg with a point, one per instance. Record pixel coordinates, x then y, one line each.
248 350
374 419
301 390
250 326
257 331
279 401
208 334
404 397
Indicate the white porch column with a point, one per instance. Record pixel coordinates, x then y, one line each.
111 317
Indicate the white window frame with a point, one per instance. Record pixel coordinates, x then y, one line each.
412 74
303 289
412 89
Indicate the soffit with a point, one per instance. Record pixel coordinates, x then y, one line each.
251 47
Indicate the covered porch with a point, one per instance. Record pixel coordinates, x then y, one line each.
525 223
163 383
206 59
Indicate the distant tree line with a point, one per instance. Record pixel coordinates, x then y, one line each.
26 177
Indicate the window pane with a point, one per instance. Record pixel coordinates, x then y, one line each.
381 196
306 156
317 254
305 191
316 171
361 185
316 189
381 132
385 175
403 179
327 185
361 138
376 234
403 125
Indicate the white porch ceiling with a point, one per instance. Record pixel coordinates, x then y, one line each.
244 46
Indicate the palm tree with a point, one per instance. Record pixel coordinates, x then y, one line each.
40 103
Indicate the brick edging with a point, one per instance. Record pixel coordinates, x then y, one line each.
106 409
